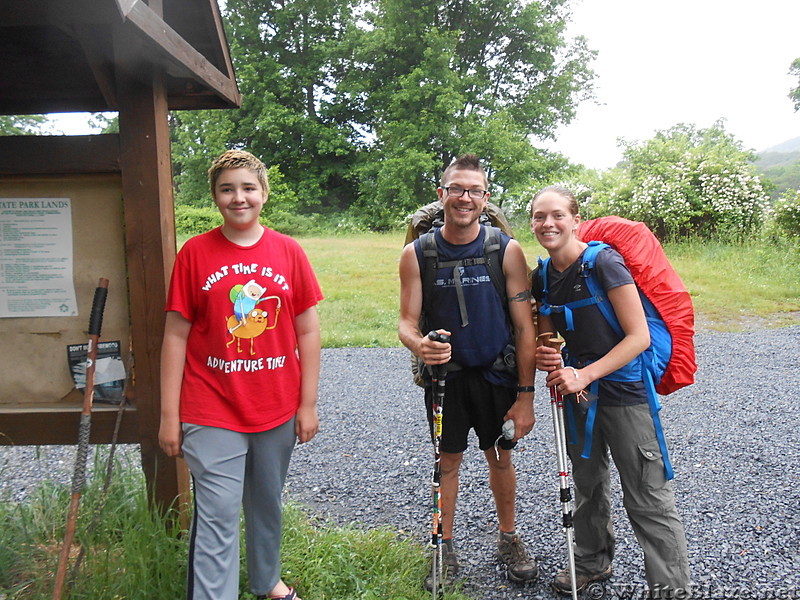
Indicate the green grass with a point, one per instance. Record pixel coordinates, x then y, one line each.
134 554
359 278
131 552
733 287
738 287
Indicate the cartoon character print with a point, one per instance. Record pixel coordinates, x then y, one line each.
249 321
245 298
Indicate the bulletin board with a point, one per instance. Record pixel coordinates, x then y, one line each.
34 368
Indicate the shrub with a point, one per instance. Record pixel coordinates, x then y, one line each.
193 220
683 182
786 213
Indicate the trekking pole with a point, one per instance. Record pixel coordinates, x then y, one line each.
109 470
438 374
79 474
565 495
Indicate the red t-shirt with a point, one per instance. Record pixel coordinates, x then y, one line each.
242 369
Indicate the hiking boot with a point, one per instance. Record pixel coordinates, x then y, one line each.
511 552
451 566
562 583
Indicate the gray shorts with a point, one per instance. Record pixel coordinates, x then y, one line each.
231 470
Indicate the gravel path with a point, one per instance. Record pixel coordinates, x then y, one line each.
733 442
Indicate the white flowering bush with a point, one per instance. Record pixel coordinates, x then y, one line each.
665 200
735 196
786 213
684 182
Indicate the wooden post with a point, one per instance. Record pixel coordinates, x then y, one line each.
150 241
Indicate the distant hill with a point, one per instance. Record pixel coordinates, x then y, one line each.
787 146
766 160
781 166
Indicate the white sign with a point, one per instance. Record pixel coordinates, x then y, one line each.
36 258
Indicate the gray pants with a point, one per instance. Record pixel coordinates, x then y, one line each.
230 469
648 497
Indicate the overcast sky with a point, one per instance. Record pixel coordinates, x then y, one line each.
662 63
684 61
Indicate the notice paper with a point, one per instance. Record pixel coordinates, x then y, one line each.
36 258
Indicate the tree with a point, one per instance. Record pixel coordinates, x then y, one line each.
686 181
364 104
794 95
285 55
430 80
22 124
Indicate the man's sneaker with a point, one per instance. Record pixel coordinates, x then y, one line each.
562 582
511 551
451 566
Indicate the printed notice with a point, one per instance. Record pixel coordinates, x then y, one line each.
36 258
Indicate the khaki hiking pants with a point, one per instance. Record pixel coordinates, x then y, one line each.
628 432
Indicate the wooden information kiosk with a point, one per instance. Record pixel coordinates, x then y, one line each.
141 59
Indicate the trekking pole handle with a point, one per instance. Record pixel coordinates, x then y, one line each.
441 370
98 306
439 337
549 339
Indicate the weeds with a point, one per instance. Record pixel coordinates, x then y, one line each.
133 553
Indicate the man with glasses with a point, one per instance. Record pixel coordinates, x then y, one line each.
480 393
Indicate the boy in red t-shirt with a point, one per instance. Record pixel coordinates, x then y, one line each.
240 369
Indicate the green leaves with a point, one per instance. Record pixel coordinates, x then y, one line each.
362 106
22 124
794 95
685 181
440 79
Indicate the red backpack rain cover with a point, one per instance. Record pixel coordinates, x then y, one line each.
656 278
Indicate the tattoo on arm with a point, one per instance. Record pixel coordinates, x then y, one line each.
523 296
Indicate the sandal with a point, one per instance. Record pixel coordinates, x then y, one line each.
292 595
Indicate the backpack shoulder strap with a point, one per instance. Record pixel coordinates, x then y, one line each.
543 263
595 289
596 293
494 264
430 258
591 252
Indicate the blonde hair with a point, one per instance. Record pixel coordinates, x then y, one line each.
561 191
238 159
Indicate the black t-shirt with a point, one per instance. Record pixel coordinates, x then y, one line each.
592 337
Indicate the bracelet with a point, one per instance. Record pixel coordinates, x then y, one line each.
525 388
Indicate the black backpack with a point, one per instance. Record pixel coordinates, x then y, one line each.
421 226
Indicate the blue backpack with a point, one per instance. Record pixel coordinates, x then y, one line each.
648 367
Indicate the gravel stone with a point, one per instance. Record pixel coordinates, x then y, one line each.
733 443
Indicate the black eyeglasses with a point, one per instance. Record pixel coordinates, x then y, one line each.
454 191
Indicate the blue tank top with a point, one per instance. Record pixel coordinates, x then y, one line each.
481 341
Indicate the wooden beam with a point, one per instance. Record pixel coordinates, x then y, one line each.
42 425
178 51
59 155
150 245
95 45
224 46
